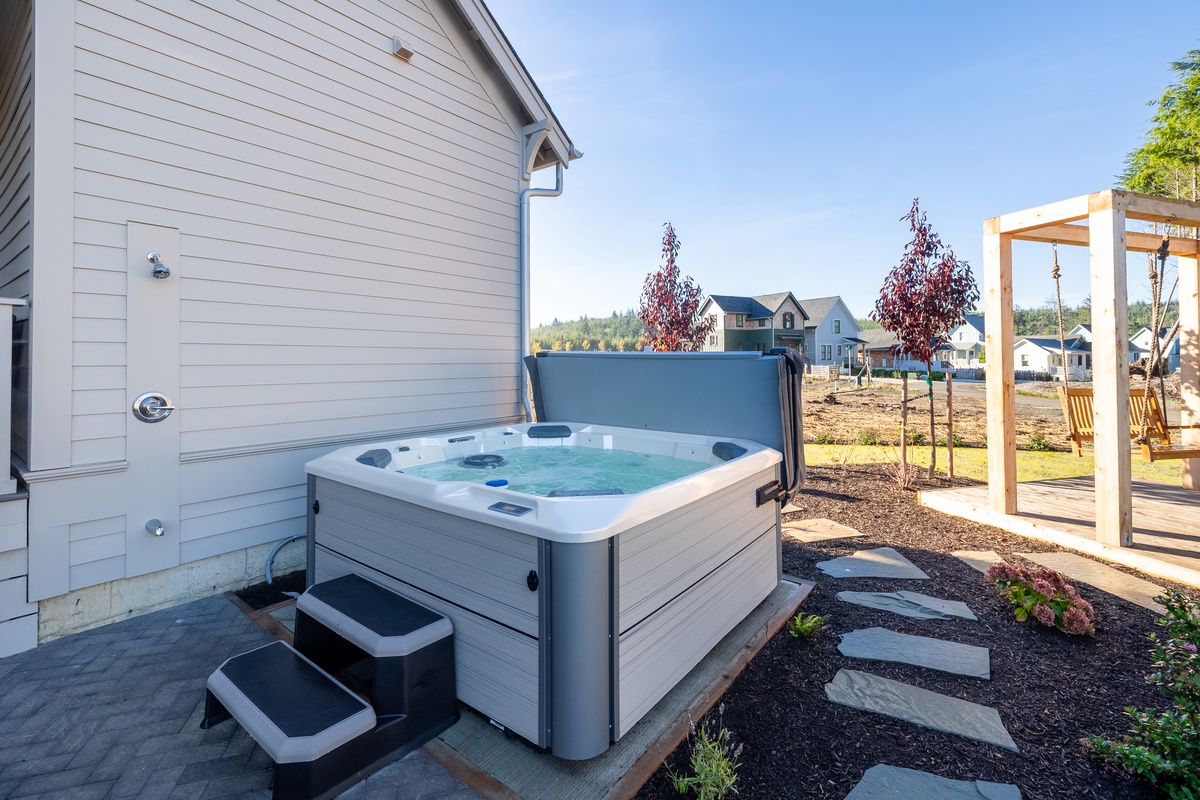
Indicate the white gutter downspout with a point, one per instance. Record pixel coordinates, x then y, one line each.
535 135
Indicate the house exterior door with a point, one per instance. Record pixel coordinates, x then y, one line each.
152 534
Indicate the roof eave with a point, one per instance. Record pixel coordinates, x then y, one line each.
483 28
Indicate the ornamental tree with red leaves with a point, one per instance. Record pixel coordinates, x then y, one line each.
670 306
923 298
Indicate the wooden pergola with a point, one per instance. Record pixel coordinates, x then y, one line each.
1107 240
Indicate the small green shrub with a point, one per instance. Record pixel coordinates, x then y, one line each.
868 437
1044 595
916 438
958 442
1038 443
1163 747
824 437
806 626
714 762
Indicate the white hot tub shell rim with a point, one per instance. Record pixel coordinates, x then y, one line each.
556 519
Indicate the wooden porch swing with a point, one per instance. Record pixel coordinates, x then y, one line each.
1156 444
1147 421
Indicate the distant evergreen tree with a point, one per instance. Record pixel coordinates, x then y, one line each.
618 328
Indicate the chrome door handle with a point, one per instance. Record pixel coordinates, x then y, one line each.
152 407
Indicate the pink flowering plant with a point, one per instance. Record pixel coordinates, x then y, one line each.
1163 747
1043 595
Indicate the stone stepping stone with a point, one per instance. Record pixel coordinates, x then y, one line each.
928 709
883 782
909 604
978 559
790 508
883 562
1103 577
880 644
817 530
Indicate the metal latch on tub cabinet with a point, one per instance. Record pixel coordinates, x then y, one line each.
771 493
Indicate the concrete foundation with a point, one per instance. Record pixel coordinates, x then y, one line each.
110 602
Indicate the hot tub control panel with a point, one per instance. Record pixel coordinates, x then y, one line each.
510 508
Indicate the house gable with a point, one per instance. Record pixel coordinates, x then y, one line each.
829 325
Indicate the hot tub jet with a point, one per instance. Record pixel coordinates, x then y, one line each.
483 461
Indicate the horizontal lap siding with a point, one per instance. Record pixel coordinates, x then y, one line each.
18 617
348 226
16 186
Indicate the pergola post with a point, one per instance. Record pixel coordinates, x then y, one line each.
1110 371
1189 363
1001 389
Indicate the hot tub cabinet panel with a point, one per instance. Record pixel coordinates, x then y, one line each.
660 559
497 670
464 562
659 651
574 617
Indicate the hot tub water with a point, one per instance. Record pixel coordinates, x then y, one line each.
542 470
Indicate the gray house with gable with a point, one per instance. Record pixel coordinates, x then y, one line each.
831 335
754 323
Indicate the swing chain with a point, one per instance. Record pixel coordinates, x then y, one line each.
1158 270
1056 273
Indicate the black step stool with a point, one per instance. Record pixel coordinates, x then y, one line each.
406 649
321 736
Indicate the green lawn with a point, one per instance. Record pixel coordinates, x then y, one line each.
971 462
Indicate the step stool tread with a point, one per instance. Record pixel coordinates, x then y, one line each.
373 617
291 707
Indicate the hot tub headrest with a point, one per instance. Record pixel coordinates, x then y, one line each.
375 458
727 451
549 432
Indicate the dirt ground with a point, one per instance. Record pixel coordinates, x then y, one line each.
872 416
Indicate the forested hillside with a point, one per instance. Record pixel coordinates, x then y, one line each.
1043 321
621 331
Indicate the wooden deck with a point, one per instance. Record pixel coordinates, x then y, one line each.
1166 521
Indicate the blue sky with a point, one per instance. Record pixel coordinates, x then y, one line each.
786 145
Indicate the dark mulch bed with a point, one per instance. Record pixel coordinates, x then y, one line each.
1050 689
263 595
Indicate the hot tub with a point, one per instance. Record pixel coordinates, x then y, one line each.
575 607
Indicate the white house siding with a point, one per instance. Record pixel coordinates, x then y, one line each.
348 235
824 335
16 184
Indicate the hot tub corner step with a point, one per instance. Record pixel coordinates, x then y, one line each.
376 619
297 712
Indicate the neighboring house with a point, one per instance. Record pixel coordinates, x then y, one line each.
831 334
754 323
879 347
964 344
1080 337
1043 355
342 228
1142 342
